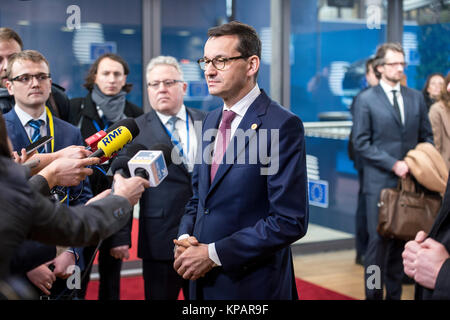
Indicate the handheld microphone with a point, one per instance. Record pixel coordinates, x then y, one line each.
120 163
112 142
151 164
94 139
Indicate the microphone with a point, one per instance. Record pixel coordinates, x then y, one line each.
151 164
112 143
120 163
94 139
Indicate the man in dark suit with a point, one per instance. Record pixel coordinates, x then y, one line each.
171 123
390 120
10 43
104 105
250 200
361 234
29 81
426 259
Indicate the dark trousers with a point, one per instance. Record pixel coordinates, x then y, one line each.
385 254
162 282
109 269
361 234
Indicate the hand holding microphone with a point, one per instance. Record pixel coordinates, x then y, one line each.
131 188
67 172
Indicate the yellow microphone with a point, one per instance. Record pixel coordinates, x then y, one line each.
113 142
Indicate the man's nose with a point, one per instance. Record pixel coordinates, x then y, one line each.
34 81
210 69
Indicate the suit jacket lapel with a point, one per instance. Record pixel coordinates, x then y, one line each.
407 105
17 132
385 101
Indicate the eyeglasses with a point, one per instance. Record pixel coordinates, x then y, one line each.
218 62
167 83
396 64
27 78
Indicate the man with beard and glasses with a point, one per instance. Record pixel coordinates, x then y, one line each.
389 120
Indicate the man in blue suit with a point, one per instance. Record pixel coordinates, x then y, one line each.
233 240
389 120
29 81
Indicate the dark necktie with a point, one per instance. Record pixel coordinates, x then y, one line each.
396 106
223 138
36 125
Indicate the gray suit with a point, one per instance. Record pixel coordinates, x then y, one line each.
26 214
161 209
380 139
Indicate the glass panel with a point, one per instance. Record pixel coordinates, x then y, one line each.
330 41
184 33
49 26
426 39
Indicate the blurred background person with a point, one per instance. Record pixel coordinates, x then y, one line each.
433 88
10 43
440 121
104 105
361 234
23 210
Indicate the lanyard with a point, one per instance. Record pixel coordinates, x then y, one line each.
51 127
176 142
98 127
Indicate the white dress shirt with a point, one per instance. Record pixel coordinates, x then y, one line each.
25 117
388 90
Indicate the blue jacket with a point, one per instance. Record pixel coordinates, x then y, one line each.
252 216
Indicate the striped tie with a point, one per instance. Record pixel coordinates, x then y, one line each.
175 135
36 125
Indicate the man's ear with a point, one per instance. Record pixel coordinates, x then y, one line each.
10 87
253 65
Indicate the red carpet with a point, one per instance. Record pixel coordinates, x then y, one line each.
132 288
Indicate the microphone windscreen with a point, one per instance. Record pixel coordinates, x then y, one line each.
166 150
121 161
114 141
132 149
128 123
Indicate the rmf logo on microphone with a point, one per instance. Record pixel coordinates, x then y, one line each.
112 135
115 140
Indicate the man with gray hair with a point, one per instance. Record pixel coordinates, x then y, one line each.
169 122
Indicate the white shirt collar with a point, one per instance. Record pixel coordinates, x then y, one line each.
388 89
181 115
25 117
241 107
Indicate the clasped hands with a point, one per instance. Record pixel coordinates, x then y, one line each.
423 258
191 258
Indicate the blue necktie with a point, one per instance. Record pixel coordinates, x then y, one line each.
36 125
175 137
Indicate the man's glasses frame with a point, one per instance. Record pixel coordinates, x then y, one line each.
28 78
167 83
395 64
218 62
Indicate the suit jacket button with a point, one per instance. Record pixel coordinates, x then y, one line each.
206 211
119 213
